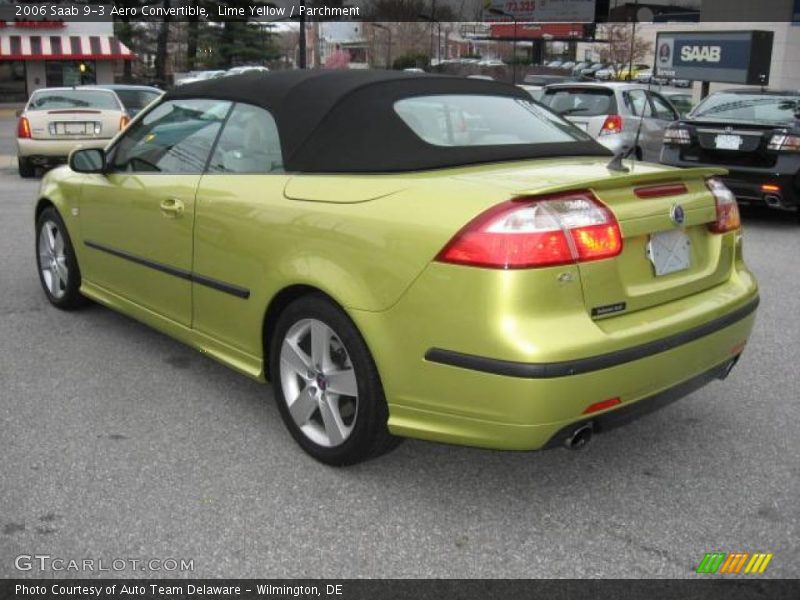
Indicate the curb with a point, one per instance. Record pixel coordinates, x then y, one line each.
8 161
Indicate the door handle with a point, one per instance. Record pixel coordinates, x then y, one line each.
171 208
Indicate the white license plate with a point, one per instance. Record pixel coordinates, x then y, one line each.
728 142
669 251
75 128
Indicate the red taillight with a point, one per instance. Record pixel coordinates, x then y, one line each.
602 405
727 210
23 128
528 233
123 121
612 124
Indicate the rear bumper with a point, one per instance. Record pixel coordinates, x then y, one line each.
592 363
481 365
643 385
636 410
54 150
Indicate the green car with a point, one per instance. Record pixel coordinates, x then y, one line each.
405 255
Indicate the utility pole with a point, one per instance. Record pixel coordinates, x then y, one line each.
302 38
433 20
161 47
501 13
633 40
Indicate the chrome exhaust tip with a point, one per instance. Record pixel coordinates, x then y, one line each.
772 200
580 436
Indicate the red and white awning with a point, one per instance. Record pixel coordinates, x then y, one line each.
63 47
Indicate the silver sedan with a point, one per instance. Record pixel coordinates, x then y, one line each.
612 113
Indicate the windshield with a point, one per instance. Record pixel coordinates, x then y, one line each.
477 120
66 99
748 107
584 102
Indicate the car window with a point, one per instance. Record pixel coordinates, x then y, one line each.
636 101
249 143
66 99
174 137
136 100
661 108
479 120
683 102
582 102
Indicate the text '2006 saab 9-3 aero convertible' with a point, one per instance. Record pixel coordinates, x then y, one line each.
405 255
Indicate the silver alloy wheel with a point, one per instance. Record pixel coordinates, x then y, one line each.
53 259
318 382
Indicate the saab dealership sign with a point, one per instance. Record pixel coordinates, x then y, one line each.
725 56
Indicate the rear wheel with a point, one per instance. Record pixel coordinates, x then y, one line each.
26 168
57 265
326 384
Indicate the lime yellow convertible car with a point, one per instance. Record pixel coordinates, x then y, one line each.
405 255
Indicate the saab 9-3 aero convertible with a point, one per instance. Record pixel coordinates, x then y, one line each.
405 255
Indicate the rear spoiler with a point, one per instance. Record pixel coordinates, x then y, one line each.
611 179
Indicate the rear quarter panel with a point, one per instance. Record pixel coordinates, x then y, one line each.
363 254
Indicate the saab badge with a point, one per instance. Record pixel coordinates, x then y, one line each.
677 214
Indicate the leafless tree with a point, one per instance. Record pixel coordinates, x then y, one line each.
616 48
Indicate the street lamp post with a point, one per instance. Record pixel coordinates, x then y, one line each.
633 40
388 43
501 13
431 19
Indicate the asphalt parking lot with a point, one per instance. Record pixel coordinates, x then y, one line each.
119 442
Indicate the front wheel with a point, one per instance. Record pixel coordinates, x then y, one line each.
326 384
55 258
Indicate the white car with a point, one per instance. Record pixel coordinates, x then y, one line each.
55 121
246 69
607 73
200 76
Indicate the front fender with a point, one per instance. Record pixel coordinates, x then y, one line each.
61 188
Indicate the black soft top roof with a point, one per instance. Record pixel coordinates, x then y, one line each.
344 121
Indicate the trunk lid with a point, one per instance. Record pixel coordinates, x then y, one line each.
73 124
629 282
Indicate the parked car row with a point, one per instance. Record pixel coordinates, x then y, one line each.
753 134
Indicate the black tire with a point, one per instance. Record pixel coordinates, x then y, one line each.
26 168
370 436
69 297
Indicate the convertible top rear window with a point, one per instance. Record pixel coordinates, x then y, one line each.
477 120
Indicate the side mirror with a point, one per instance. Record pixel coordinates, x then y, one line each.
88 160
18 112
